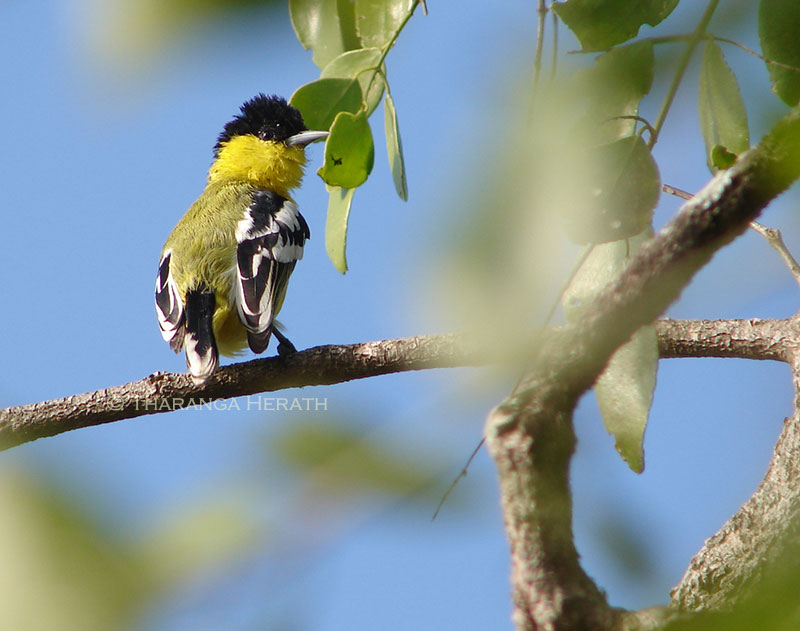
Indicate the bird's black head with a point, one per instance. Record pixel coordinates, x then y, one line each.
266 117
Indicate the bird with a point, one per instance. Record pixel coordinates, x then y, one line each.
225 267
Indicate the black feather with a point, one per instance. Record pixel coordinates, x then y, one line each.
266 117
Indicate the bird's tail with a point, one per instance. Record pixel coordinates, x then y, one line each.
202 357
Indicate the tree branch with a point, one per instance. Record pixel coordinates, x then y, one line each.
164 392
530 435
327 365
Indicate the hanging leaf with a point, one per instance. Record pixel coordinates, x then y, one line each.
394 148
624 390
339 202
357 65
723 118
320 101
349 151
601 24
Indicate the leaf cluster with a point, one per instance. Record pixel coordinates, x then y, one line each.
350 42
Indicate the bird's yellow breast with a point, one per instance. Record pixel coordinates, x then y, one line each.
261 163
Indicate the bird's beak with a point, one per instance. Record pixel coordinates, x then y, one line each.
306 137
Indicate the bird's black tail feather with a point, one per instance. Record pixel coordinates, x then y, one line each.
202 357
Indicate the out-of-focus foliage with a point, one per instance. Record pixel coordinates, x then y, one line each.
339 460
779 32
135 33
60 568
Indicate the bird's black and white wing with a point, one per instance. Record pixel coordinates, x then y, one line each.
270 241
169 306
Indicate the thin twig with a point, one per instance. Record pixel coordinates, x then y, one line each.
697 36
541 11
554 65
775 240
677 192
461 474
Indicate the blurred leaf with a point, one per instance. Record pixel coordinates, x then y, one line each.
723 119
196 540
339 202
136 33
779 33
342 460
326 27
58 567
619 196
320 101
394 148
613 87
378 20
625 388
349 151
601 24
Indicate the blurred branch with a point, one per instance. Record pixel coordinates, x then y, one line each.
530 435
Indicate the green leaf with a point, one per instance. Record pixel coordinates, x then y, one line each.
613 87
346 462
779 32
601 24
379 20
619 196
723 119
721 158
358 65
320 101
624 390
394 148
349 151
339 202
327 27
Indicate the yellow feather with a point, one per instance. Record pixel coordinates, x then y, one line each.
262 163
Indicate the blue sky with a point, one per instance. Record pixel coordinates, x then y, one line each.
99 164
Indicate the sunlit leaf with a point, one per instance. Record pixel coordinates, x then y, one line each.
326 27
620 194
723 119
601 24
779 32
358 64
320 101
394 148
349 151
624 390
339 202
377 21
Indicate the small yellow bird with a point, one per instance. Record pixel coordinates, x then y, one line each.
225 267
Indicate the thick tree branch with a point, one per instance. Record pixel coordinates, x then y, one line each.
763 537
530 435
